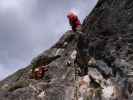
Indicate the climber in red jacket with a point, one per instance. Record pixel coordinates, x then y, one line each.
74 21
40 72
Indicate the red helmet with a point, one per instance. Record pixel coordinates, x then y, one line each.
71 13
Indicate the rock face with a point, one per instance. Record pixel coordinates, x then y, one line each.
96 64
57 83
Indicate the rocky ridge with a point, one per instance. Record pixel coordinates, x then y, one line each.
93 65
